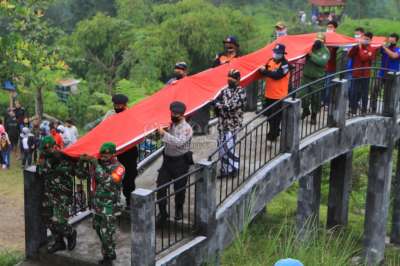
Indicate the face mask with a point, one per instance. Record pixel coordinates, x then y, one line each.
277 56
329 30
175 119
178 75
280 33
232 83
365 42
357 36
119 110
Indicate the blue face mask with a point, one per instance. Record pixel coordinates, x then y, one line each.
280 33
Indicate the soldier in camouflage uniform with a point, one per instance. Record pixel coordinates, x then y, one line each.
108 175
56 172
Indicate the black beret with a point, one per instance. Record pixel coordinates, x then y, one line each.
178 107
120 99
233 73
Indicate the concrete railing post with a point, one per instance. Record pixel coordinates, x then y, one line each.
35 230
378 196
206 198
339 190
143 228
337 109
290 138
391 95
395 234
308 202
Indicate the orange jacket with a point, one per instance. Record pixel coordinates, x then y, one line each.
277 78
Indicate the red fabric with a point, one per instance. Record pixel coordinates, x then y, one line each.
331 66
362 57
126 129
327 2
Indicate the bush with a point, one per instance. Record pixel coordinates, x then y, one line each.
379 27
10 258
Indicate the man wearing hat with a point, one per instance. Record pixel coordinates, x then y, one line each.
229 110
129 158
314 69
57 173
177 159
106 183
280 30
231 50
277 76
180 71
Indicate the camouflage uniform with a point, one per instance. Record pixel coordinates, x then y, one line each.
57 174
106 202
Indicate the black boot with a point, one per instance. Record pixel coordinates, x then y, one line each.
179 213
107 260
72 240
128 204
162 217
305 113
59 245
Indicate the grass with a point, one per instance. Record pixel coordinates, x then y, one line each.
10 258
274 236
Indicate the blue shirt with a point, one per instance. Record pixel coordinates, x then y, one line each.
390 63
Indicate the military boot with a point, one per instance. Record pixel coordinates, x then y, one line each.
107 260
57 246
179 213
72 240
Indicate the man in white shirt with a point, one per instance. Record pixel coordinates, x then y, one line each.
71 131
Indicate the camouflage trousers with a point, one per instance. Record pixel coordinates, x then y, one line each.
55 215
105 226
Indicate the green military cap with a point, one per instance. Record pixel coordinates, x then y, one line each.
108 147
47 142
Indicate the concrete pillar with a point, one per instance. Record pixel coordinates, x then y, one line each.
395 234
391 95
290 138
337 110
252 96
35 231
206 198
339 190
308 201
378 195
143 227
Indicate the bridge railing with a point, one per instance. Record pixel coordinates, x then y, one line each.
251 147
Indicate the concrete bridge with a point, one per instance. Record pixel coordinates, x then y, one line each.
267 168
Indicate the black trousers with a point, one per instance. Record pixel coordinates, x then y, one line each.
276 116
171 169
129 160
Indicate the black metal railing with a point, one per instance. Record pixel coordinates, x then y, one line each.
81 200
250 148
170 228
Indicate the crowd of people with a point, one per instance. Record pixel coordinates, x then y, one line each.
21 135
112 173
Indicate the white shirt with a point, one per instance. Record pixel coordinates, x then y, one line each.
25 143
71 133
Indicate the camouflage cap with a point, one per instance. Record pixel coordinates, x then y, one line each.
47 142
108 147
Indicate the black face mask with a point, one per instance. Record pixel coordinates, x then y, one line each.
317 45
232 83
175 119
119 110
178 75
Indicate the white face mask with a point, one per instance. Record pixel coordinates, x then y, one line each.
365 42
329 30
280 33
357 36
277 56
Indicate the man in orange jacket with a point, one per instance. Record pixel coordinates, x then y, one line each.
277 76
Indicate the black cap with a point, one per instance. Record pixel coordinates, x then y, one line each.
120 99
178 108
231 39
279 49
234 73
181 65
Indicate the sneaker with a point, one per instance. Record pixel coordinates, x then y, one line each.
59 245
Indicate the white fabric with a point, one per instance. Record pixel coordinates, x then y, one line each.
70 135
229 160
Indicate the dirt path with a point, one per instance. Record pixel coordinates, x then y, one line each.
12 230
